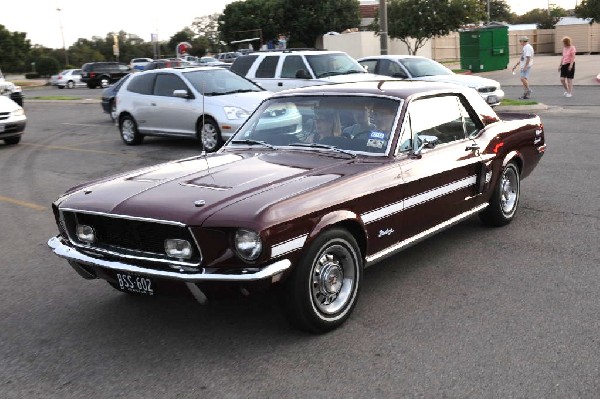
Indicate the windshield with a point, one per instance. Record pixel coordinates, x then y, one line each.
419 67
330 64
215 82
341 124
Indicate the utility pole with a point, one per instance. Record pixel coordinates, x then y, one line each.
62 34
383 27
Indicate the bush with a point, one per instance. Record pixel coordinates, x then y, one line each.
32 75
47 66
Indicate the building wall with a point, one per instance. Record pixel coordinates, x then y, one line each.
585 37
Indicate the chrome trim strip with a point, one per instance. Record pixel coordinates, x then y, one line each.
391 209
119 216
72 254
288 246
421 236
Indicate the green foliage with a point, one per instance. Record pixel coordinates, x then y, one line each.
14 48
301 20
47 66
589 9
32 75
541 17
499 10
421 20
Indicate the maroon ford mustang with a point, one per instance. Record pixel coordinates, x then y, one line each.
319 183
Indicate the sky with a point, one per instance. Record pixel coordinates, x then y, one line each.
46 26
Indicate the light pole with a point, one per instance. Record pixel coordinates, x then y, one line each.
383 27
62 33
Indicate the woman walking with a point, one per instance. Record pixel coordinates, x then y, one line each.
567 66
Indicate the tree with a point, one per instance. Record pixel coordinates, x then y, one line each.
207 31
499 10
589 9
47 66
414 22
14 48
541 18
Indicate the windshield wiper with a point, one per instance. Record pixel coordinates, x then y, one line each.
324 146
326 74
252 142
213 93
241 91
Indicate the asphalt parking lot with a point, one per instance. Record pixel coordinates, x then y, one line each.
473 312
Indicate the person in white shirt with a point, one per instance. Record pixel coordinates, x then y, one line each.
525 62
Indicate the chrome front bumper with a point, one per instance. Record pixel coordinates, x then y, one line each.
272 271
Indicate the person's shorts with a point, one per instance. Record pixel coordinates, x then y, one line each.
565 73
525 72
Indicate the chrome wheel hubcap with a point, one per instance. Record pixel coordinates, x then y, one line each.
209 136
509 192
333 280
128 130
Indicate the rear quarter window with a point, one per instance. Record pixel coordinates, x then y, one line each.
242 65
267 67
142 84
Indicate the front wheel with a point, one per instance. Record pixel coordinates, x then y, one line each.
321 292
209 134
505 199
70 84
129 131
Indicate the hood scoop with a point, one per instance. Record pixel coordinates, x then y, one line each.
207 186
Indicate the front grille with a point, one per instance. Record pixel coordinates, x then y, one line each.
4 115
129 237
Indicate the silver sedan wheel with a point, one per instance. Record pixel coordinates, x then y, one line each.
128 130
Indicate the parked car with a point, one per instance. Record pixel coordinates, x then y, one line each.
228 57
139 63
109 103
166 63
11 90
68 78
304 211
207 103
212 61
280 70
12 121
102 74
421 68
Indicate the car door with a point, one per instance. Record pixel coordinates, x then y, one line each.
171 114
440 180
265 73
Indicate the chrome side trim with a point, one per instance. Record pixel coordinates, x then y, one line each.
421 236
288 246
72 254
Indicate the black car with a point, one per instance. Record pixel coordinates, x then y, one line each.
108 97
102 74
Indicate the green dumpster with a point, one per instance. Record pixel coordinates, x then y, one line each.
484 49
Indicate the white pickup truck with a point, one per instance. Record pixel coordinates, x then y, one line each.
11 90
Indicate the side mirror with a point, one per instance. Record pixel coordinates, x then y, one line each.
182 94
302 74
426 142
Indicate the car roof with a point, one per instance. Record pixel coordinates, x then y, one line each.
392 56
305 52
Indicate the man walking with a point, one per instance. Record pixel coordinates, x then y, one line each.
525 62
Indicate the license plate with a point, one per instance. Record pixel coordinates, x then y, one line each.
492 99
135 284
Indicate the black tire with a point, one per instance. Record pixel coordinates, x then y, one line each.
129 131
112 106
323 289
209 134
91 85
61 87
505 199
70 84
12 140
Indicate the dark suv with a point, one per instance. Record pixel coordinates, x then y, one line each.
102 74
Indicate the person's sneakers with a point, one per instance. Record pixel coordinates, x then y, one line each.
525 96
568 95
565 94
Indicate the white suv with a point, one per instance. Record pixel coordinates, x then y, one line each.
207 103
287 69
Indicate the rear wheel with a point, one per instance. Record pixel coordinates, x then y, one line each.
209 134
321 292
129 131
13 140
505 199
91 85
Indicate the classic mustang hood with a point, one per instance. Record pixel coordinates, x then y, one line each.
464 80
190 190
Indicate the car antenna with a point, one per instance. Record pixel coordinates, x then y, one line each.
204 154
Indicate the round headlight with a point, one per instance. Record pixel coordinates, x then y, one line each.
247 244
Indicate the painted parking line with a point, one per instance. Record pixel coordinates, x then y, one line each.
25 204
58 147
